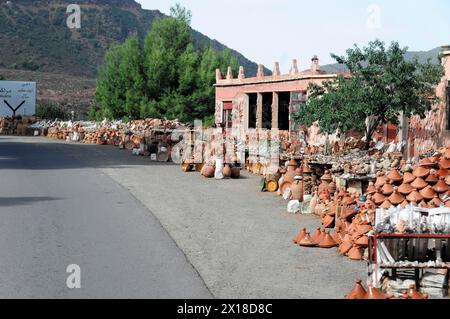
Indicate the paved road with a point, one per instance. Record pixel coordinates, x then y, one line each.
57 210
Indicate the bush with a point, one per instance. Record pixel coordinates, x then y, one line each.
51 111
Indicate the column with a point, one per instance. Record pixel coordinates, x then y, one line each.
259 110
275 103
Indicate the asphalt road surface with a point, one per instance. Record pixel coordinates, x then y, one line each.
56 211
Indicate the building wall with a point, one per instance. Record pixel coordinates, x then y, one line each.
432 132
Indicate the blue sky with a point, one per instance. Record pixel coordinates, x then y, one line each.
266 31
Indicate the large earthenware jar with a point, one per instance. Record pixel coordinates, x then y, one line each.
290 174
227 171
297 189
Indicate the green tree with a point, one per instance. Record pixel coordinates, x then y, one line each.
382 85
49 110
121 84
167 77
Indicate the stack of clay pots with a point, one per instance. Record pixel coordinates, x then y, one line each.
425 185
359 292
351 219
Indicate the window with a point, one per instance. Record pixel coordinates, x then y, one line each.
227 116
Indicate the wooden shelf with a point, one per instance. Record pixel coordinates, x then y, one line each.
383 235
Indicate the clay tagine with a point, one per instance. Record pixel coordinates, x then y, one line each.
358 292
396 198
307 241
328 241
421 171
442 172
378 198
428 193
440 187
387 189
419 183
408 178
414 294
415 196
432 179
405 189
317 235
395 176
381 180
386 204
374 293
444 163
355 253
300 236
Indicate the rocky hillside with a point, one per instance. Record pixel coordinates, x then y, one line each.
34 35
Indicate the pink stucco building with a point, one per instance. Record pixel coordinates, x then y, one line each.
266 101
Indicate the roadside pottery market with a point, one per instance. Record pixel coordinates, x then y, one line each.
387 206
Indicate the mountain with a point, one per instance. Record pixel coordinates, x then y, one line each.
422 57
34 35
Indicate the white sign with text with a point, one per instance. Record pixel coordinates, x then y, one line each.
17 97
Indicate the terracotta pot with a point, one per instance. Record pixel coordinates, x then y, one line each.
290 173
432 179
395 176
427 162
447 180
345 247
421 171
326 177
378 198
284 186
235 172
316 235
419 183
300 236
371 189
386 204
374 293
363 229
444 163
307 241
328 221
355 253
297 190
436 201
327 241
337 237
440 187
325 195
447 153
358 292
408 178
208 171
404 204
186 167
405 189
396 198
363 241
387 189
381 180
442 173
332 187
226 171
428 193
414 196
423 204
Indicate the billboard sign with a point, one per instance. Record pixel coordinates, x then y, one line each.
17 98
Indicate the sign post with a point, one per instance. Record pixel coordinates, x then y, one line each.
17 98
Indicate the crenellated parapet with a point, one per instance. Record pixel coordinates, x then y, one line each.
294 73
